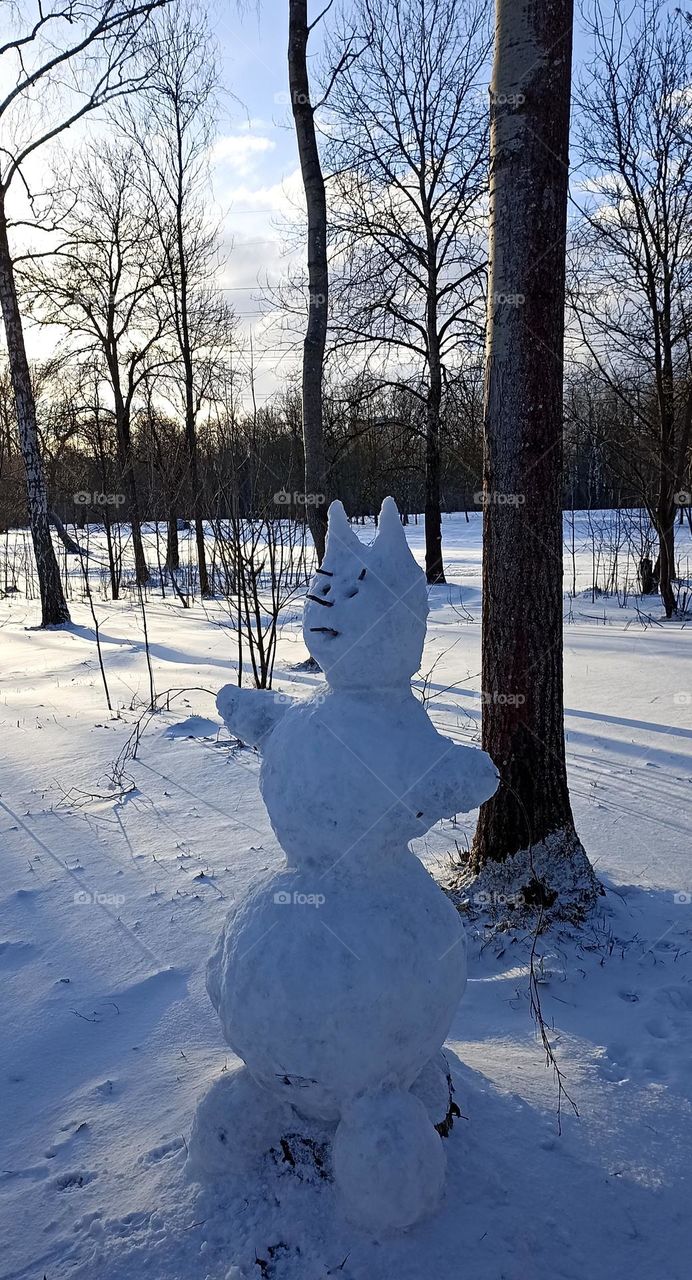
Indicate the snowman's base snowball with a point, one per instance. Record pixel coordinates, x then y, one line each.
388 1160
235 1124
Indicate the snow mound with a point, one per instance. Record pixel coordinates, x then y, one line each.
553 876
193 727
235 1124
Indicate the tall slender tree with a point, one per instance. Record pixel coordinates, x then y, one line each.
60 60
174 123
318 273
529 819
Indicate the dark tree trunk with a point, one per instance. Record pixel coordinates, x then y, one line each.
318 278
172 545
434 567
54 608
69 543
122 425
665 506
522 543
186 351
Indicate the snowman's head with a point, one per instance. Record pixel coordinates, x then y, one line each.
365 614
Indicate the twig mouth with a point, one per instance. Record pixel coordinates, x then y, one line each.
328 604
326 631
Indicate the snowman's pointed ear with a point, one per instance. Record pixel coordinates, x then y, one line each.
389 524
390 548
340 535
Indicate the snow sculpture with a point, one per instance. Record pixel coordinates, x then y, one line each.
337 977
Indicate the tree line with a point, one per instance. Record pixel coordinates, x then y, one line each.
147 395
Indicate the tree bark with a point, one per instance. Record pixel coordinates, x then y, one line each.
434 567
318 276
122 426
172 545
522 537
54 608
186 352
665 506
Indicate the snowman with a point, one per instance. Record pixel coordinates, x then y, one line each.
337 976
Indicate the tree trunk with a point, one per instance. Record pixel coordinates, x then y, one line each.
122 426
434 567
318 279
665 506
54 608
172 545
191 437
665 529
186 351
69 543
522 536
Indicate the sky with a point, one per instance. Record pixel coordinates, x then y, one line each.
255 174
255 170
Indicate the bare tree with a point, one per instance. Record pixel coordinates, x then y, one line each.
101 284
173 121
633 291
318 273
407 145
60 60
530 815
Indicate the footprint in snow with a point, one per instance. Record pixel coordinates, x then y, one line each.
76 1178
163 1151
658 1028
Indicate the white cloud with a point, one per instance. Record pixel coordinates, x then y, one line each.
241 151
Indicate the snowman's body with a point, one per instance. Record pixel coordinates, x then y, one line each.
337 977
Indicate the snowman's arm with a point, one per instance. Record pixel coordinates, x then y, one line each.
463 779
251 714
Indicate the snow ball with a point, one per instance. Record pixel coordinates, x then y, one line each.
389 1162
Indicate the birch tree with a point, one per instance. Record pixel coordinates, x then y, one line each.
59 61
529 819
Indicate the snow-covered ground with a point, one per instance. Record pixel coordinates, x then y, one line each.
110 904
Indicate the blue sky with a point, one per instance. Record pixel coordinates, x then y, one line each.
256 176
256 179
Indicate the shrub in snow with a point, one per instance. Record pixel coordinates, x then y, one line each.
336 978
